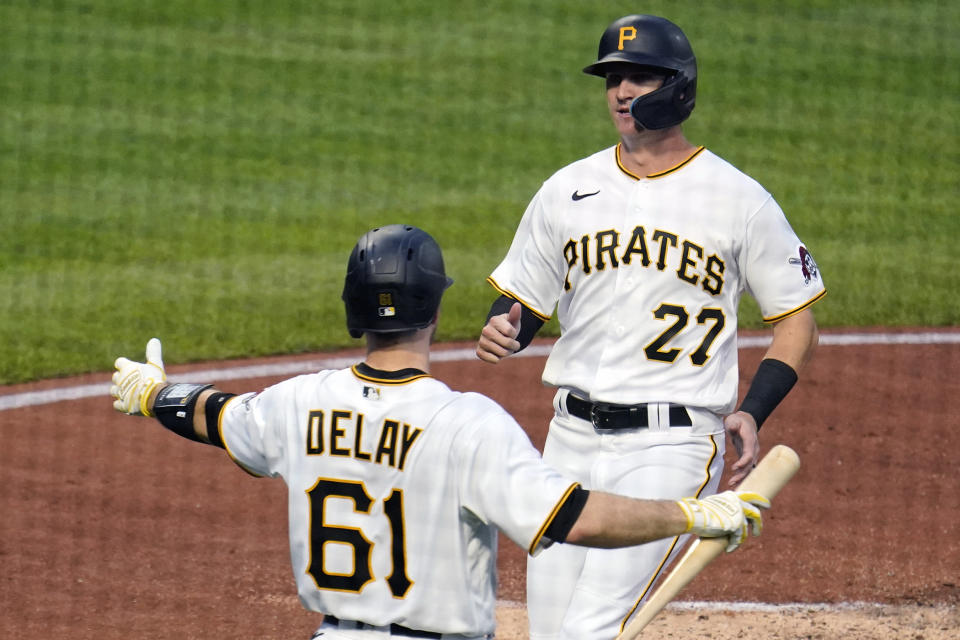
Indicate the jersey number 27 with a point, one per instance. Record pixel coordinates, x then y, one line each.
657 350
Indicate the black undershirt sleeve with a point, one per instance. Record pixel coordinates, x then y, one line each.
212 411
567 515
771 383
529 322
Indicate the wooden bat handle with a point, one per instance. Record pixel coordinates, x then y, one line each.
771 475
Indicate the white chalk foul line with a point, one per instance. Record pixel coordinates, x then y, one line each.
48 396
744 607
764 607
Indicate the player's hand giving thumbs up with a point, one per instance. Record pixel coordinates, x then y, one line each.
133 382
498 338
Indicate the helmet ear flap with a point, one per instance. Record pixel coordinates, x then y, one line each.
666 107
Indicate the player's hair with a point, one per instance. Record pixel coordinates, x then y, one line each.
380 340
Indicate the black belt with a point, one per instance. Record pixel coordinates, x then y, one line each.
607 416
394 628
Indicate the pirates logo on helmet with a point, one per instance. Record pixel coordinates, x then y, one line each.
652 41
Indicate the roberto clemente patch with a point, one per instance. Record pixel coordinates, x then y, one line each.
807 265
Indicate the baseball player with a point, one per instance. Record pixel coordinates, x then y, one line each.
644 249
398 485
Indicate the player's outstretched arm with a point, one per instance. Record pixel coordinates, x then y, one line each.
611 521
141 389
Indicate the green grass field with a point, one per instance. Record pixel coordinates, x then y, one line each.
199 170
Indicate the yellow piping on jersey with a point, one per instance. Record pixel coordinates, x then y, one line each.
549 520
226 447
798 309
510 294
673 545
659 174
398 381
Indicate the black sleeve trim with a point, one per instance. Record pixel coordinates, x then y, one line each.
567 515
212 410
530 322
771 384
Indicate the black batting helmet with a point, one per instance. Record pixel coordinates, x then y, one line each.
395 279
652 41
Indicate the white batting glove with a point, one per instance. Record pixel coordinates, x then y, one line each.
730 514
133 382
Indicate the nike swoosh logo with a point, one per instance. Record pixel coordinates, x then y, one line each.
580 196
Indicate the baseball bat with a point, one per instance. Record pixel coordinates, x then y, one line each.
771 474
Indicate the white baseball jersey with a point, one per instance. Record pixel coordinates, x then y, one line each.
396 488
646 274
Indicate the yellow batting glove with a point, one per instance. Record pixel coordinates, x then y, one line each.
731 514
133 382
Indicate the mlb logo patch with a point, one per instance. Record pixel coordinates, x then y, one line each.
371 393
386 309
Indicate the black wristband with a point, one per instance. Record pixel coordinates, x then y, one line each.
174 407
212 409
530 323
771 384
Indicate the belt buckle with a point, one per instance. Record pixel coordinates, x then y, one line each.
599 421
601 415
595 417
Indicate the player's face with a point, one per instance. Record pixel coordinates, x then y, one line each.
625 83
